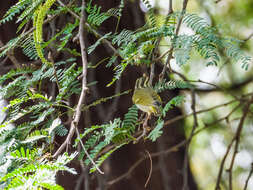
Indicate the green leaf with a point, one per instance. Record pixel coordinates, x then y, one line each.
156 132
54 124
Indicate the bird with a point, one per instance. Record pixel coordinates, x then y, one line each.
146 98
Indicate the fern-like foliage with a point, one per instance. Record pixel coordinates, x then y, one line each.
207 42
92 48
40 171
39 16
151 14
28 48
25 103
172 84
156 132
67 32
176 101
117 132
14 10
96 17
39 94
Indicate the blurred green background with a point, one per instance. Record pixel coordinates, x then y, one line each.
231 18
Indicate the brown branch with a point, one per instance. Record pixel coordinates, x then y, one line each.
235 139
154 52
198 112
86 152
138 162
170 56
151 168
78 109
249 176
162 163
195 124
222 165
145 129
89 28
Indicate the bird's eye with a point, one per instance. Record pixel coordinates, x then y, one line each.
157 103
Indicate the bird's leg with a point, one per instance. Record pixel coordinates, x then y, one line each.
145 128
145 124
141 119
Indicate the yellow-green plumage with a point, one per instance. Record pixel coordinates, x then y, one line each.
146 99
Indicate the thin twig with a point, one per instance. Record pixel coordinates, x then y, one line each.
161 56
235 139
162 163
249 176
157 43
138 162
198 112
170 56
144 131
195 124
151 166
86 152
87 26
222 166
78 109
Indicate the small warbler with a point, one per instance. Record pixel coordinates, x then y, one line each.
146 98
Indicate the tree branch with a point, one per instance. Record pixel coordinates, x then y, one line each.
235 139
78 109
167 63
249 176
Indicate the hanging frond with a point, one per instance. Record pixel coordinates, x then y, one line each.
28 48
11 45
98 42
156 132
67 32
172 84
124 37
61 131
118 71
195 22
28 12
38 173
96 17
151 14
14 10
130 119
15 72
176 101
111 61
182 45
232 50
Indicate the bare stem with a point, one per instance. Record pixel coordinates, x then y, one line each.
78 109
